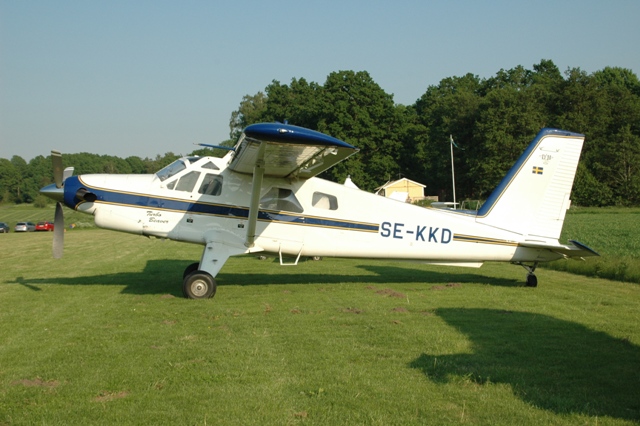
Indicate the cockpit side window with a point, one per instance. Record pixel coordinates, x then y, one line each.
321 200
282 199
188 181
171 170
211 185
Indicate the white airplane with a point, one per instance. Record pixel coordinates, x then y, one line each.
263 197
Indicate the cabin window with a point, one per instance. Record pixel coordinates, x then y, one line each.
188 181
210 165
211 185
321 200
281 199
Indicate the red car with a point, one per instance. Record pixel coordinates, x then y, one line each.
44 226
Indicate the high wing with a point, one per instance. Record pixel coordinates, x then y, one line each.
288 151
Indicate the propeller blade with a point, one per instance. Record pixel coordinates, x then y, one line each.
58 232
56 159
66 173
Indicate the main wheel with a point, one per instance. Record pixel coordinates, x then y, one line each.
532 280
199 285
189 269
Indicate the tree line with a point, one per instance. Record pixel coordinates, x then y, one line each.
492 120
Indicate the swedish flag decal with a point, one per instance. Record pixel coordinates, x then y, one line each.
537 170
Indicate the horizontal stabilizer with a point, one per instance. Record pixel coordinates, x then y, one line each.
575 249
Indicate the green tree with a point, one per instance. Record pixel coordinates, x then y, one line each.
510 116
298 103
19 183
619 166
356 109
9 181
136 165
450 109
250 111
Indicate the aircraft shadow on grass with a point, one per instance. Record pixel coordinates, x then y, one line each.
549 363
164 276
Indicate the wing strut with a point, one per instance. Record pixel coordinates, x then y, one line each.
258 174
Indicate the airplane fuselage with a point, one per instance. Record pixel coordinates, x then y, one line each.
320 218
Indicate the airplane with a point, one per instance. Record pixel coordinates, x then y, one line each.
263 196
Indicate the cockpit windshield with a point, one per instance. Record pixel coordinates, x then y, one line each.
171 170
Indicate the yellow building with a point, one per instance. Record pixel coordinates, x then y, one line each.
402 190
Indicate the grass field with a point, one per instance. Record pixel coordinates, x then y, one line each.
103 336
614 233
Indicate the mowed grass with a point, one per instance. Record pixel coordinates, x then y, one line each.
103 336
14 213
614 233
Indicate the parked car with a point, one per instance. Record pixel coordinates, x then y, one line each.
4 228
44 226
25 227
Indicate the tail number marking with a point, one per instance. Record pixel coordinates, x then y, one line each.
428 234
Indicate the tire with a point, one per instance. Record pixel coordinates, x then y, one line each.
199 285
189 269
532 280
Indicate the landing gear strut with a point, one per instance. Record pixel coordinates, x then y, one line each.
532 280
199 278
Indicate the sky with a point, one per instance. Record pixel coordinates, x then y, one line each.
143 78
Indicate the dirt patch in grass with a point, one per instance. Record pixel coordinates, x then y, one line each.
107 396
400 309
391 293
37 382
442 287
352 310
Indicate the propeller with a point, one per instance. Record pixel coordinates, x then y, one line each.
58 232
57 193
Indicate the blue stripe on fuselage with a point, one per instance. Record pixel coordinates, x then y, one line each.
221 210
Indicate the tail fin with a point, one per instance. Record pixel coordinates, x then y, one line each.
533 197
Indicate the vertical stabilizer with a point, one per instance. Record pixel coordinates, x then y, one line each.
533 197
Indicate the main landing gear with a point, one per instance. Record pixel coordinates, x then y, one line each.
199 278
532 280
198 284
